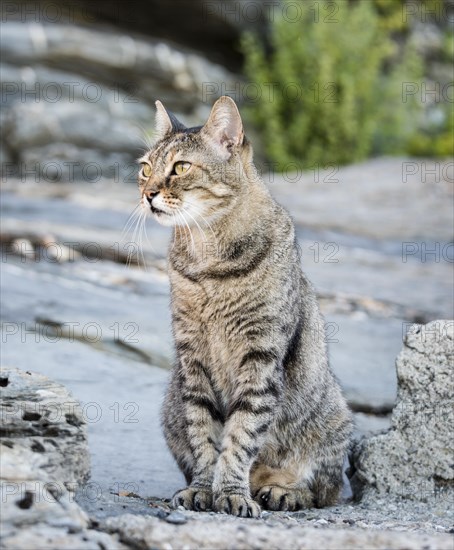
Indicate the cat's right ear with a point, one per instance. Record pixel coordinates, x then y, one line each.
166 122
224 129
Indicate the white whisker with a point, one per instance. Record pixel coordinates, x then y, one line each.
142 227
189 229
132 242
196 206
181 227
146 233
202 232
175 227
145 137
129 222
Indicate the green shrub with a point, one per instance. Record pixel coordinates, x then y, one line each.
435 137
434 142
331 92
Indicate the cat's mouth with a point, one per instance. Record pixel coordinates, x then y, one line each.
147 201
156 211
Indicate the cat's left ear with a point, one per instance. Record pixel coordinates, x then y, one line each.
166 122
224 128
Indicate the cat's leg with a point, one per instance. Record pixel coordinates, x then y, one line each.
198 442
174 429
327 483
250 415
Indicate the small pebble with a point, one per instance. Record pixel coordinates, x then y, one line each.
299 515
176 517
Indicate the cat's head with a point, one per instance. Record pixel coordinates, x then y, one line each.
194 174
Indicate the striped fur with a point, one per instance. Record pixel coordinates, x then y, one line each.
253 414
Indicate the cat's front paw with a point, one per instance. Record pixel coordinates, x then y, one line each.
238 505
274 497
193 498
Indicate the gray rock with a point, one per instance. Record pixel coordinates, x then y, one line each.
68 163
173 73
41 420
226 532
66 85
36 500
177 518
368 424
84 125
361 360
40 84
44 456
414 459
384 210
43 537
212 28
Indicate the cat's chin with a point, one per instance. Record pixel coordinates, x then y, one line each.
164 219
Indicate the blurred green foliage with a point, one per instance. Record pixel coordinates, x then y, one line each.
437 140
434 141
395 15
331 84
390 14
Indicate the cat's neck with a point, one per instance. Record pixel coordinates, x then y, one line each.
247 217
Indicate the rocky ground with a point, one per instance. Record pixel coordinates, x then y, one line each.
43 509
74 311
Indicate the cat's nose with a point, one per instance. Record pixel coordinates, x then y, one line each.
151 195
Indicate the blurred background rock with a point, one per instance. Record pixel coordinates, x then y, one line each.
348 79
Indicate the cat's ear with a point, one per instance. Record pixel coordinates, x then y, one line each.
166 122
224 128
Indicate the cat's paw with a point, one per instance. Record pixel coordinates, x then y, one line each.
193 498
284 499
237 505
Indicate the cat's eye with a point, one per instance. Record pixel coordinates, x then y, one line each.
181 167
146 170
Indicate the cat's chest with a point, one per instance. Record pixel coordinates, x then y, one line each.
203 313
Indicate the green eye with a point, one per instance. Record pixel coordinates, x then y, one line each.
181 167
146 170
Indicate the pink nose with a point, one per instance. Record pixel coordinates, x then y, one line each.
150 195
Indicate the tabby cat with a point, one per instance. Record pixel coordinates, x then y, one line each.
253 414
